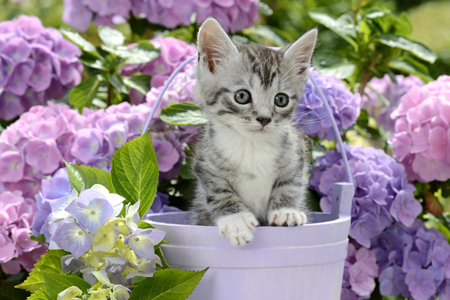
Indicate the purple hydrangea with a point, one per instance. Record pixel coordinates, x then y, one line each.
414 262
382 193
173 53
16 251
311 115
384 87
36 64
234 15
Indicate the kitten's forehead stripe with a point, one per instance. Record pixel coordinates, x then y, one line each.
217 95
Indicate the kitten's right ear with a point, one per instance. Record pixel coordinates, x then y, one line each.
214 44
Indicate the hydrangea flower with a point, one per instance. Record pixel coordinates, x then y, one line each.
173 53
422 131
99 241
377 88
112 291
311 116
32 147
234 15
382 192
16 251
36 64
56 195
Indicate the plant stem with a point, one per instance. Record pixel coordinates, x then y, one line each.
367 75
108 98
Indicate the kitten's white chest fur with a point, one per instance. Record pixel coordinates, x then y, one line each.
255 159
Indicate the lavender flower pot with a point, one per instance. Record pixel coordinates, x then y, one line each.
298 263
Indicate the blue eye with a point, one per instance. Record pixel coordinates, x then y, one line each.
281 100
242 97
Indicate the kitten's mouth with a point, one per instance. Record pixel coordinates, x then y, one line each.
260 130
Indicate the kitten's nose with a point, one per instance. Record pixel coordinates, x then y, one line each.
263 120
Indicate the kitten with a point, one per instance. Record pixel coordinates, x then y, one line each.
251 162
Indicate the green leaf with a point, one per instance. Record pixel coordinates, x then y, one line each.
143 53
110 37
264 9
186 171
49 262
8 292
410 66
135 172
86 176
341 71
56 283
40 238
159 252
139 82
117 81
167 284
437 224
145 225
341 26
184 113
83 94
419 50
266 32
78 40
39 295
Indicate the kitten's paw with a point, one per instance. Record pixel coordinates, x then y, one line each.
238 227
287 217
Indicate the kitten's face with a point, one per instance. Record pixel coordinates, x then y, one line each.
254 92
251 89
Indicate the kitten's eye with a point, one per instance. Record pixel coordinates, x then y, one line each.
242 97
281 100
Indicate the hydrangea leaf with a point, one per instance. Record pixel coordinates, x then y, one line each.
8 292
342 28
50 262
86 176
167 284
78 40
56 283
186 170
82 95
143 53
110 36
117 81
266 32
39 295
342 70
411 66
419 50
265 9
139 82
183 114
135 172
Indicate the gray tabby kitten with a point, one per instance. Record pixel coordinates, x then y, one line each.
251 162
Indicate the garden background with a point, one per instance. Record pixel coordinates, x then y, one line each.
73 90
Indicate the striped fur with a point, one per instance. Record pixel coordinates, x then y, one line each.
249 174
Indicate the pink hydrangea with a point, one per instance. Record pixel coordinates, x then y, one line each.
234 15
421 139
16 251
36 64
173 53
384 87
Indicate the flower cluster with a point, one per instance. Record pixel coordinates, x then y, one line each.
173 53
16 215
311 115
382 192
33 147
87 225
112 292
36 64
421 139
234 15
360 270
382 96
414 262
57 187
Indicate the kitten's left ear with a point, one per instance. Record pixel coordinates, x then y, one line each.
214 43
302 50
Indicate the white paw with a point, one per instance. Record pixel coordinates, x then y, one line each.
238 227
287 217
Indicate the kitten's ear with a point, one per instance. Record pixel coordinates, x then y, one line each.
302 50
214 44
